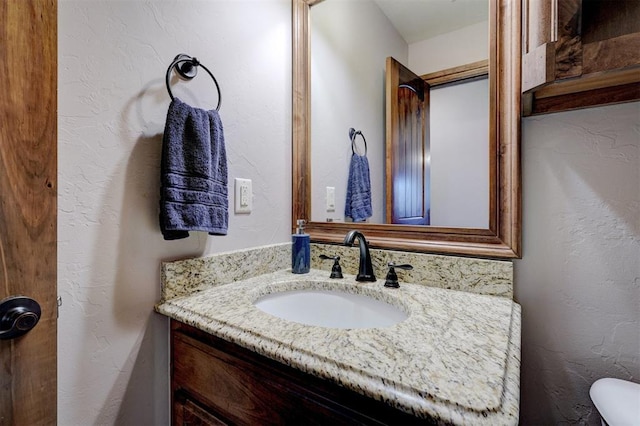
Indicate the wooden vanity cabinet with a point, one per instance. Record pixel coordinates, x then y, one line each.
214 382
579 53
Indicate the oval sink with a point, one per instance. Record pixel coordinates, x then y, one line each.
330 308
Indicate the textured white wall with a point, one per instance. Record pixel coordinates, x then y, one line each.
579 279
113 55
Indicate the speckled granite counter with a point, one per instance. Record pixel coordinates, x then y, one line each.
480 276
456 357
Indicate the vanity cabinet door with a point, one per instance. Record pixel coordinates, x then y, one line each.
579 53
216 382
188 413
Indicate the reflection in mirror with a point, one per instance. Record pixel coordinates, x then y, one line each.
407 169
459 118
351 41
501 239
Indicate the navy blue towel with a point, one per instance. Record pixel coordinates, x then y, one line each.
358 205
193 193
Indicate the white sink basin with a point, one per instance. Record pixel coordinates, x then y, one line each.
330 308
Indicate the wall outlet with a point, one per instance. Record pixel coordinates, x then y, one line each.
331 199
243 195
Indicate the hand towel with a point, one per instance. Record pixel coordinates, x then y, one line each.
193 193
358 205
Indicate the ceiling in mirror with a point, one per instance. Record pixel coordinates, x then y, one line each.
418 20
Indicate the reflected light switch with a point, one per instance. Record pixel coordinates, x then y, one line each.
331 199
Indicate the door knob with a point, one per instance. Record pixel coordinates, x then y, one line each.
18 315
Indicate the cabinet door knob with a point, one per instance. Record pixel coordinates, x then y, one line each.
18 315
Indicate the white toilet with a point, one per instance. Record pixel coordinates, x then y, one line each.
617 401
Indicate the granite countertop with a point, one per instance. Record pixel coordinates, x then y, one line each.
456 358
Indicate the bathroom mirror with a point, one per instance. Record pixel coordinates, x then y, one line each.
371 75
501 238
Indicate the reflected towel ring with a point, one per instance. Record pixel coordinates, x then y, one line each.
406 86
352 135
187 67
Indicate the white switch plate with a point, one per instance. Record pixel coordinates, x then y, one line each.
243 195
331 199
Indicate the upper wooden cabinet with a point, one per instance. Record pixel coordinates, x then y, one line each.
579 53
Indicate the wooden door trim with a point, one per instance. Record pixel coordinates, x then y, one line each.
28 205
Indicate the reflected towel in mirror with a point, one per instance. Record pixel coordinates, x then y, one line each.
358 205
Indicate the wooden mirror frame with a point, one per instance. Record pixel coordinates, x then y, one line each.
502 238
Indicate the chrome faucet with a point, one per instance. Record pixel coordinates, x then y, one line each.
365 270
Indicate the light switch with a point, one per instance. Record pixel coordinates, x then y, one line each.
331 199
243 195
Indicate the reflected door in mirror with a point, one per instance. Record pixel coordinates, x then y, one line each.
407 111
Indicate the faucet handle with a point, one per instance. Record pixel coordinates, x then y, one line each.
392 278
336 270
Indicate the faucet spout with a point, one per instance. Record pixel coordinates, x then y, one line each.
365 270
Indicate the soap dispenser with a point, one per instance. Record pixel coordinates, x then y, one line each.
300 250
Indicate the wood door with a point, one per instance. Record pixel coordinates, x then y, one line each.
407 162
28 203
